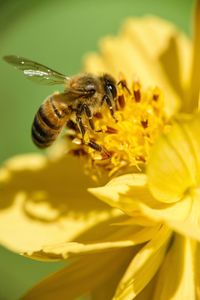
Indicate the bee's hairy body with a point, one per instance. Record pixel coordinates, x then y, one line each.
83 96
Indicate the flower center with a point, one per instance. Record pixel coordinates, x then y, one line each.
126 139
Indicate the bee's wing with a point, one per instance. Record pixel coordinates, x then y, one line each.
35 71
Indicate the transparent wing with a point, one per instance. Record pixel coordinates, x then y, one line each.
35 71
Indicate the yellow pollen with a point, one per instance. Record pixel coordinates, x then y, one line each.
126 139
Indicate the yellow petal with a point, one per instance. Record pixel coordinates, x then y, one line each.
148 292
182 217
127 193
106 290
82 276
113 238
123 192
174 165
159 213
189 226
130 194
44 201
112 191
145 49
144 266
176 279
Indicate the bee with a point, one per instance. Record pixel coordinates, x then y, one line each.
82 98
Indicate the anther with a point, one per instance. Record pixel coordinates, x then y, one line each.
136 91
98 115
155 97
111 130
121 101
144 123
124 85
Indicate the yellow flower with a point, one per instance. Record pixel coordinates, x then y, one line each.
142 240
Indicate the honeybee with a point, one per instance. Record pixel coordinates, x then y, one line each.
82 98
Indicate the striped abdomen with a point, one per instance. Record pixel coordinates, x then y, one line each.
48 122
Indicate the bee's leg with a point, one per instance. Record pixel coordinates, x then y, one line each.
110 105
71 125
94 146
105 154
89 115
81 126
79 121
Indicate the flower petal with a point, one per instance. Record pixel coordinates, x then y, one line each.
144 50
130 194
182 217
113 238
189 226
122 192
174 165
112 191
148 291
82 276
44 201
144 266
176 279
107 289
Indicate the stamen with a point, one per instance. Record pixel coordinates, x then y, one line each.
136 91
155 97
121 102
111 130
144 123
98 115
156 94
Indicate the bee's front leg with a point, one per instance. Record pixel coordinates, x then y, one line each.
79 121
89 115
104 153
110 105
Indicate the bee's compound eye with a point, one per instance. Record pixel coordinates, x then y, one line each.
112 88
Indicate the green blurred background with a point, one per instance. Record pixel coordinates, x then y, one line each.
57 34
